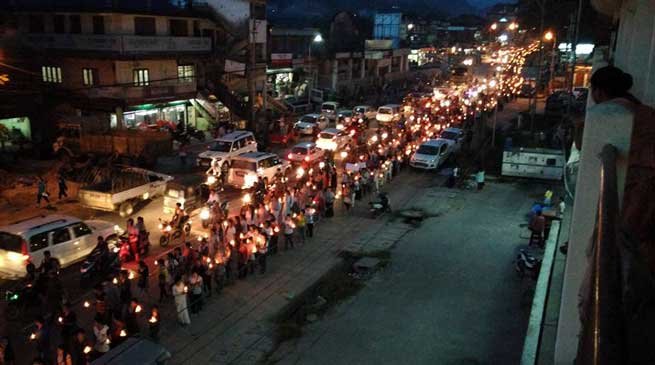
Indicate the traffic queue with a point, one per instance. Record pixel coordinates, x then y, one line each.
338 162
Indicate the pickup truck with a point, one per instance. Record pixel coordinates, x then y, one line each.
122 188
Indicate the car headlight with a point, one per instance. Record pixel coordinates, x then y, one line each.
249 180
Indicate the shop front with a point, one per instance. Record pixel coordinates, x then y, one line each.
155 116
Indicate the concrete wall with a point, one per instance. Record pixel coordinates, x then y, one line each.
635 47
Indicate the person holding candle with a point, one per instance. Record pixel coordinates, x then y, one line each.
180 295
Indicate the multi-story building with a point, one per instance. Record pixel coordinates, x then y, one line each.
129 64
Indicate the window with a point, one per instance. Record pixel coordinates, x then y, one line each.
144 26
185 73
61 235
98 24
89 76
81 229
141 77
265 163
39 241
36 24
51 74
178 27
60 24
10 242
75 24
250 140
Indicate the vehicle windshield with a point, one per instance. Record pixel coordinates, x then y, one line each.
10 242
299 150
244 165
328 107
308 119
360 110
449 135
384 111
325 135
427 150
221 146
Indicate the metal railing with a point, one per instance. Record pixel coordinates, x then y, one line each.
602 339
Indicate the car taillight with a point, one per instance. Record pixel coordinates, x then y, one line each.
24 251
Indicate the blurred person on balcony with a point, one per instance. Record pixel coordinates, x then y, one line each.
611 85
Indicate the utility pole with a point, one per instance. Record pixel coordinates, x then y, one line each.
252 92
533 101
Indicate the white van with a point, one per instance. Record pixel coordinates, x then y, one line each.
223 149
329 109
67 238
248 167
388 113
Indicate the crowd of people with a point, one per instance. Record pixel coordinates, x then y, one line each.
275 216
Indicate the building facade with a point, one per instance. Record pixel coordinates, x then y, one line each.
132 64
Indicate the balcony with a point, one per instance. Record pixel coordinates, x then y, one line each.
121 44
130 93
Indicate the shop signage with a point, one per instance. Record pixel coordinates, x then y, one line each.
281 59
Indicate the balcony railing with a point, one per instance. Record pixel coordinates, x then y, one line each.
122 44
603 340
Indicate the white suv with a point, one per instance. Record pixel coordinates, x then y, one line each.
248 167
225 148
68 239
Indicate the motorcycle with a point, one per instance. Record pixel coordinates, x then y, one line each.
20 299
381 206
124 250
527 264
169 233
207 212
96 266
192 132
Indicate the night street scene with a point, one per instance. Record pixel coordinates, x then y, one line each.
457 182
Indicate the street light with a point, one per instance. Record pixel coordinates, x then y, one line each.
550 37
513 26
318 38
494 26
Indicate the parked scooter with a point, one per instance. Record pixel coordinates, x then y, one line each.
381 206
527 264
192 132
169 233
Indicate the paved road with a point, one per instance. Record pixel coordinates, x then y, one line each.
449 296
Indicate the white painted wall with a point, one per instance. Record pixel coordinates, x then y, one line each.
635 47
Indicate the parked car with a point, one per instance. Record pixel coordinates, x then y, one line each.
344 118
122 189
223 149
310 124
329 109
332 139
453 134
388 113
365 112
248 167
431 154
305 152
68 239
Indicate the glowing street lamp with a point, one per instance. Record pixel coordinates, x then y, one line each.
494 26
549 36
513 26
